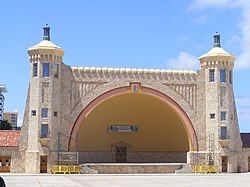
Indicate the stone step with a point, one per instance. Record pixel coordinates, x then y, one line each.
186 168
130 168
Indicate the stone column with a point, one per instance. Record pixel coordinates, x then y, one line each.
32 162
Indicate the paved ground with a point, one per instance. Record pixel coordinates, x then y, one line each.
176 180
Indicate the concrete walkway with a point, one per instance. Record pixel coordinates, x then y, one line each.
176 180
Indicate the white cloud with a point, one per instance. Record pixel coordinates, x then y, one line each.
243 101
233 42
184 61
243 60
243 107
217 3
200 19
243 114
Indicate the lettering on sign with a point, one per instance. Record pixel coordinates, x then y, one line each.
122 128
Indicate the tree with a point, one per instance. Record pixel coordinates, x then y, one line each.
18 128
5 125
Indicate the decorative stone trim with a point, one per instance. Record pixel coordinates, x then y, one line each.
217 63
81 89
187 91
104 72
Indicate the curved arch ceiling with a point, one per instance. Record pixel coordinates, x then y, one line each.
159 127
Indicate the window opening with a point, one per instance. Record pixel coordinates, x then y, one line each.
211 75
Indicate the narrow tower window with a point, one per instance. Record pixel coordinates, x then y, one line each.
44 112
223 91
211 75
223 134
44 131
45 69
230 77
35 70
222 75
223 116
56 75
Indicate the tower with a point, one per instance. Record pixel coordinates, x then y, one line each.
44 92
2 89
221 117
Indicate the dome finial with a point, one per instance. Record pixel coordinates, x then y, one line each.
46 32
217 40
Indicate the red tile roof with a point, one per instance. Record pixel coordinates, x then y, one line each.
9 138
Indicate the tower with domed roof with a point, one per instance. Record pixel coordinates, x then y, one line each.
44 89
221 116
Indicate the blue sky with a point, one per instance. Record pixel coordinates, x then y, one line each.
125 33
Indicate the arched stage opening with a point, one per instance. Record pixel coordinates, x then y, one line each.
126 126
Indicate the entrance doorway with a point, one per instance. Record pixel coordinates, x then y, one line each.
121 154
224 163
43 164
5 164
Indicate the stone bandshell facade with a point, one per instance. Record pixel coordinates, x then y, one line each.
67 91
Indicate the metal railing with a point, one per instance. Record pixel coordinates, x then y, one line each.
66 169
205 169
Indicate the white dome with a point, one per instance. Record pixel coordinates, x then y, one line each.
45 44
217 51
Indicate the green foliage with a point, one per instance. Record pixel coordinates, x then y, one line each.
18 128
5 125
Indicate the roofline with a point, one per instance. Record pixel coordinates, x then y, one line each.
132 70
10 112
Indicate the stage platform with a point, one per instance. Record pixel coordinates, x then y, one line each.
135 168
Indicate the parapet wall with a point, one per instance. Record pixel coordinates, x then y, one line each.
81 73
183 82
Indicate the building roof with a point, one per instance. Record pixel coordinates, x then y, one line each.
45 44
9 138
3 88
217 53
245 137
11 113
132 70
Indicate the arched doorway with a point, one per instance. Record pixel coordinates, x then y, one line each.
128 126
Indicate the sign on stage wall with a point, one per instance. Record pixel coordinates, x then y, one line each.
122 128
